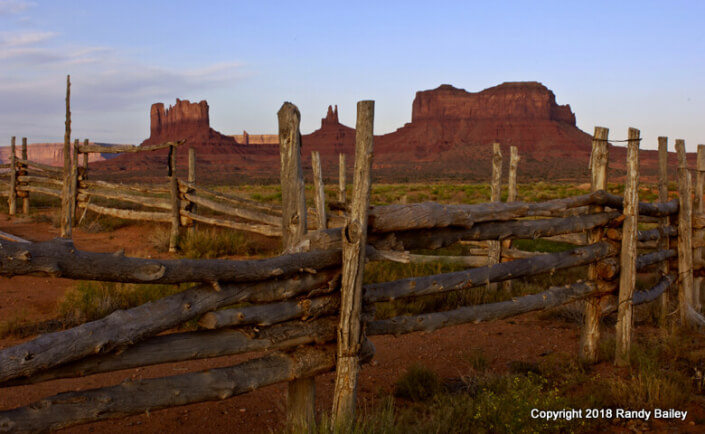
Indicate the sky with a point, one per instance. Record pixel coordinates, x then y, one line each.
619 64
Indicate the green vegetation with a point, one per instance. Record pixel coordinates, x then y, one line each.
215 243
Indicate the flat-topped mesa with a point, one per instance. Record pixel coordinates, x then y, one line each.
508 101
183 116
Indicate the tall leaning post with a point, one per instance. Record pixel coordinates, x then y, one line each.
599 161
175 202
350 330
74 179
12 195
685 233
66 220
627 266
511 197
301 392
699 210
342 181
495 247
319 194
23 171
192 181
664 242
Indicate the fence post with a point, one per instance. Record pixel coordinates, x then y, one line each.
23 172
511 197
599 162
342 182
65 192
301 393
627 266
12 195
663 243
495 247
192 207
350 330
685 232
319 194
74 179
699 209
175 203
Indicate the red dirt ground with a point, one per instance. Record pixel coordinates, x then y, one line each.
447 351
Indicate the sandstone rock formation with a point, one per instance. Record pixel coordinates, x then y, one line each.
46 153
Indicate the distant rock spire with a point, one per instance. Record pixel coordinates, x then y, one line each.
331 117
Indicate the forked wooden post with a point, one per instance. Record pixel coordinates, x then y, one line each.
599 161
495 247
663 243
342 181
12 195
350 332
698 210
301 393
319 194
685 233
175 202
66 217
511 197
192 207
627 273
23 172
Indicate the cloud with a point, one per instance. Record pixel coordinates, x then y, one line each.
12 7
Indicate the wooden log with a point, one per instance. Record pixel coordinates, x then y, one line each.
475 277
139 188
52 170
590 332
120 149
12 196
60 258
236 200
627 275
518 229
66 220
579 239
39 179
191 207
139 396
646 296
495 247
125 327
127 214
699 209
23 170
685 233
342 182
292 184
268 314
645 208
266 230
553 297
43 190
242 213
513 254
13 238
319 195
147 201
177 347
646 235
511 197
175 202
350 330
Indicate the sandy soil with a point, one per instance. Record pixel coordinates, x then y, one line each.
448 351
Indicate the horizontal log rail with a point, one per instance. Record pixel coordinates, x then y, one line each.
60 258
39 179
140 188
231 198
45 167
242 213
43 190
475 277
262 229
126 327
152 202
127 214
5 165
87 148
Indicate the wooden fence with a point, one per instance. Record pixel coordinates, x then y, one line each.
302 303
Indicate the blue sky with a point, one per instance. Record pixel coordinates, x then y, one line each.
618 64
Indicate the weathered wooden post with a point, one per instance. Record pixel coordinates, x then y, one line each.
350 332
699 210
599 161
74 179
627 266
319 194
23 172
192 207
685 241
12 199
342 182
663 243
511 197
175 202
66 220
495 247
301 394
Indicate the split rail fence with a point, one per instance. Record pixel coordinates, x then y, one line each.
309 306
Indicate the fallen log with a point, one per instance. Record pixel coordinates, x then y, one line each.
241 212
125 327
416 286
178 347
135 397
522 229
119 149
550 298
60 258
267 230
